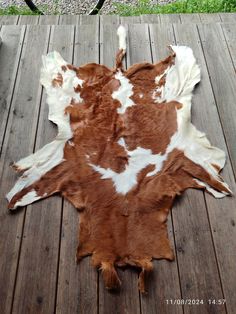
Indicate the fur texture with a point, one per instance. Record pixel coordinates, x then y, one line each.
125 148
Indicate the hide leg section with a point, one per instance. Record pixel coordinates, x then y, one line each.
121 32
23 198
30 195
208 180
146 268
96 240
45 158
109 275
27 190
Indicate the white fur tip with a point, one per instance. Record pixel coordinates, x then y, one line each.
121 32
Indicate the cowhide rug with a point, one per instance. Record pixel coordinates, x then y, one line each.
125 148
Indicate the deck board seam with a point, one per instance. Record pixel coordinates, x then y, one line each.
12 88
58 256
223 133
41 97
217 108
25 208
215 251
227 44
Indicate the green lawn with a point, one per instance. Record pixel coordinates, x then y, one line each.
145 7
14 10
180 6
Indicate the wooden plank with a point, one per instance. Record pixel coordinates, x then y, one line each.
108 38
109 19
127 299
28 19
48 19
190 18
124 301
228 17
210 17
130 19
184 231
77 284
69 19
10 51
164 282
138 45
215 48
150 18
230 35
170 18
222 212
9 19
221 228
17 144
196 258
43 220
89 19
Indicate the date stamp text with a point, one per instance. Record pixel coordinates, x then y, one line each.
195 301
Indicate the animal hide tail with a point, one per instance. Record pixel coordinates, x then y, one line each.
110 277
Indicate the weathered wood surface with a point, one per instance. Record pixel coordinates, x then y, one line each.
223 229
190 18
150 18
69 19
48 19
37 290
228 17
230 36
145 18
223 81
9 61
9 19
203 279
38 270
130 19
19 142
210 18
170 18
28 20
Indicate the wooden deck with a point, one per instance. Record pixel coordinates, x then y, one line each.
38 273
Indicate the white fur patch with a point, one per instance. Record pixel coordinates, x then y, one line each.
38 163
138 160
27 199
214 192
124 92
58 98
121 32
158 94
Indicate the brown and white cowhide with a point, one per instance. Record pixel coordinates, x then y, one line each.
125 148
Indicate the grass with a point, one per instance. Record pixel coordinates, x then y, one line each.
14 10
145 7
24 10
180 6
